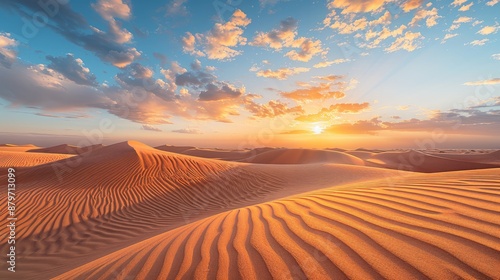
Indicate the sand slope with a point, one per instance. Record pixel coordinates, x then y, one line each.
441 226
89 205
303 156
421 162
23 159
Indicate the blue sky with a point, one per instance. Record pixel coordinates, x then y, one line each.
223 73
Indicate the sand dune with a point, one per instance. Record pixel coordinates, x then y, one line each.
229 155
105 201
17 148
22 159
421 162
67 149
489 158
436 227
303 156
130 210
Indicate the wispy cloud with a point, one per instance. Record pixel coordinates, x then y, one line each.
493 81
329 63
150 128
481 42
281 73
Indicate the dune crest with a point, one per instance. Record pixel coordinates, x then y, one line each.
304 156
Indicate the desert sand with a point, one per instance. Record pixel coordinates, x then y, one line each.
130 211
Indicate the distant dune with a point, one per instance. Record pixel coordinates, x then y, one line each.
22 159
17 148
67 149
303 156
490 158
130 210
421 162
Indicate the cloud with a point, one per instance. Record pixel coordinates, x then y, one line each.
162 58
264 3
496 56
139 79
493 81
329 63
492 3
44 88
411 5
408 42
7 54
329 78
322 91
488 30
278 38
111 9
326 114
271 109
456 23
431 17
359 127
403 107
481 42
308 49
219 42
356 6
73 69
188 131
177 7
75 29
284 36
150 128
458 2
219 92
465 121
195 78
281 73
448 36
189 44
465 8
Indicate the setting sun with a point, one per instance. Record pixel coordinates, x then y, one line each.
317 129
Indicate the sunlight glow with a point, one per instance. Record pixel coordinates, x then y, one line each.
317 129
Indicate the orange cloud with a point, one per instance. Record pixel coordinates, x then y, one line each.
325 114
411 5
320 92
281 73
408 42
308 49
329 63
430 16
220 41
356 6
494 81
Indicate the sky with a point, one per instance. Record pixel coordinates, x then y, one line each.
243 74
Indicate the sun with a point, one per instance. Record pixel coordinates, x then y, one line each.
317 129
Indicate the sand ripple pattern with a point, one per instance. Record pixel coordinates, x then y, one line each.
110 202
444 226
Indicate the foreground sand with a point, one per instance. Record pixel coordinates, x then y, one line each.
137 212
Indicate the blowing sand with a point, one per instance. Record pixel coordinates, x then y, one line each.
129 210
